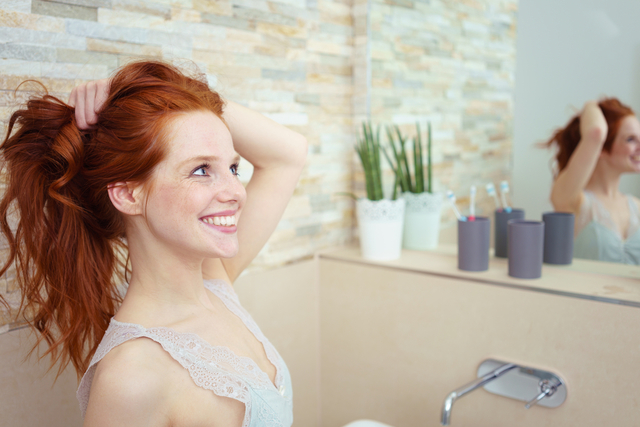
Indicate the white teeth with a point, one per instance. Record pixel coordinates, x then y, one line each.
221 220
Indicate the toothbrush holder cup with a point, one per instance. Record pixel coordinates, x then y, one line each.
558 237
473 244
500 230
526 246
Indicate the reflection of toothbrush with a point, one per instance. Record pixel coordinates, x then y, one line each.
472 206
452 199
491 190
504 189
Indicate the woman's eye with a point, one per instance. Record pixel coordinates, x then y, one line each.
201 171
234 170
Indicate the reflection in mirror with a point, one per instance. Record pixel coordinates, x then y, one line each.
580 52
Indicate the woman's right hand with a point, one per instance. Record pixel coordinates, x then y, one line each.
593 125
88 99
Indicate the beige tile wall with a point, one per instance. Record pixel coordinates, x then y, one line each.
28 394
395 344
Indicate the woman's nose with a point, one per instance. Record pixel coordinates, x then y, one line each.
233 191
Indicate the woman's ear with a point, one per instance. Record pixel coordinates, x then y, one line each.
126 197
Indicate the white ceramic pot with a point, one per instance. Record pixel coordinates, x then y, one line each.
422 220
380 226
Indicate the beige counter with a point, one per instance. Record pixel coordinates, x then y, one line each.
601 281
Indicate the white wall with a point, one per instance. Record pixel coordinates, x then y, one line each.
568 51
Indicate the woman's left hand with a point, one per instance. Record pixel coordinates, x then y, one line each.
88 99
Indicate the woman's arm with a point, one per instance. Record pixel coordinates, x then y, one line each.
566 193
278 155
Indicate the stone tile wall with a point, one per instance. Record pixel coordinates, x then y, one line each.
450 63
317 66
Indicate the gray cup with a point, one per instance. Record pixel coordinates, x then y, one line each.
473 244
558 237
526 244
500 230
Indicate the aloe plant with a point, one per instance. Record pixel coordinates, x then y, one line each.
368 149
416 183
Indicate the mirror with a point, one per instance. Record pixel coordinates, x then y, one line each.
568 52
516 79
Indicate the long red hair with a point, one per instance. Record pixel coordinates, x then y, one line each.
65 237
567 138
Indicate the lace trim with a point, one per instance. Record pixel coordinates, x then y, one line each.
592 209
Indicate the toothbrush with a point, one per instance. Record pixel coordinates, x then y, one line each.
452 199
491 190
504 189
472 206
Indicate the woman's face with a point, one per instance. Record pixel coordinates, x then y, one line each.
625 150
196 198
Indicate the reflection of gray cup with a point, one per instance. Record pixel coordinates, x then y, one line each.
558 237
473 244
526 244
500 231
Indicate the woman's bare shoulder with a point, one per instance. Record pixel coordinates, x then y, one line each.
131 383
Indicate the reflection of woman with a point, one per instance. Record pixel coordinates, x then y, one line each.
594 150
157 173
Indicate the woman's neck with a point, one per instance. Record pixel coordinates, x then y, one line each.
163 284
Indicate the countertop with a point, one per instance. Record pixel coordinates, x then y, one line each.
594 280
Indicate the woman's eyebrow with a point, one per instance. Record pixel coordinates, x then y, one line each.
208 159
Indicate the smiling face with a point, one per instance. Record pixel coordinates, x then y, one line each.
625 150
195 196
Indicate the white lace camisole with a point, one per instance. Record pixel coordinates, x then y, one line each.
214 368
597 237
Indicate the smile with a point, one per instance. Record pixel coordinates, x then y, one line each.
225 221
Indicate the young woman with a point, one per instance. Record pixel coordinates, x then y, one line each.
595 148
155 172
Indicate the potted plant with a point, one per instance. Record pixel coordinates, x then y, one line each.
380 220
423 206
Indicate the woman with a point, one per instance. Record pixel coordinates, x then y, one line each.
593 151
155 173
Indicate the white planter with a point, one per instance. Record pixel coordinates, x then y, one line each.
380 225
422 220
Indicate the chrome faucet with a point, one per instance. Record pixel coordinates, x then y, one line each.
456 394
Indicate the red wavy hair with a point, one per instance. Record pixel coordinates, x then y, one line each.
69 238
566 139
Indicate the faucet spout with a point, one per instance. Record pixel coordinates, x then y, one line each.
458 393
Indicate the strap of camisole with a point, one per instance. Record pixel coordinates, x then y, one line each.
634 216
